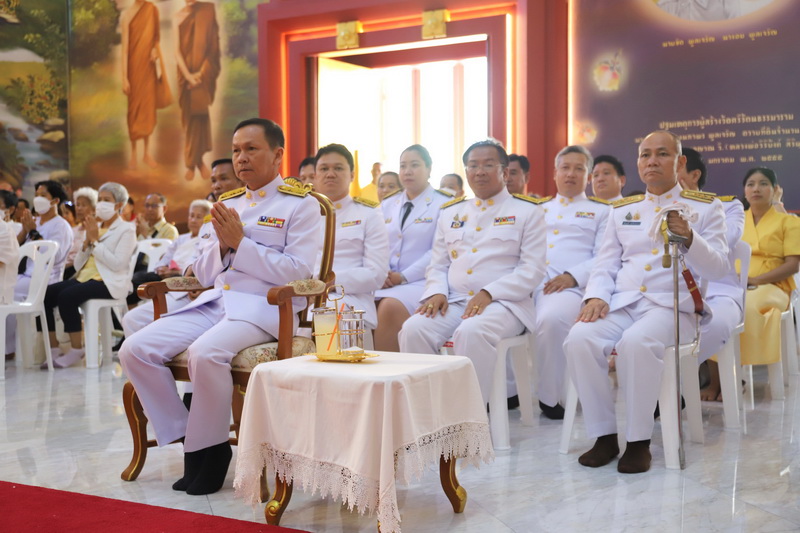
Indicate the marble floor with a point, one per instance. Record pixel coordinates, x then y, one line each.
68 431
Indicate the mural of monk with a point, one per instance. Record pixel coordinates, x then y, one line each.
198 61
143 78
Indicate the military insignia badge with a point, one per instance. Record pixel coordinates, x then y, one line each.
271 222
424 220
458 223
350 223
505 221
584 214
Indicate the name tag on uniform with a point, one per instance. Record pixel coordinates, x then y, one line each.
457 224
351 223
426 220
584 214
505 221
271 222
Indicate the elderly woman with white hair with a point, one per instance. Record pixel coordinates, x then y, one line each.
85 199
102 270
175 262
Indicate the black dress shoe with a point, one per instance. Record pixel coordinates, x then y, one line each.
657 412
192 463
513 402
553 413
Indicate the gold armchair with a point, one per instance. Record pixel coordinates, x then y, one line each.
288 345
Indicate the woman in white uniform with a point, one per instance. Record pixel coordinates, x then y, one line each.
410 216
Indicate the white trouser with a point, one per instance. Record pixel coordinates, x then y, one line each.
20 293
640 333
555 316
140 316
475 337
726 315
213 340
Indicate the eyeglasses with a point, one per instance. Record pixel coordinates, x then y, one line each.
488 167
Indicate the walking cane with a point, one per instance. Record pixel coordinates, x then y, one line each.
672 258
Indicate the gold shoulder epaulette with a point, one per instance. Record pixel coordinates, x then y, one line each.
293 182
367 202
454 201
298 190
207 219
628 200
700 196
232 194
599 200
531 199
445 193
398 191
726 198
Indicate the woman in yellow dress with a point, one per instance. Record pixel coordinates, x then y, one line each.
775 241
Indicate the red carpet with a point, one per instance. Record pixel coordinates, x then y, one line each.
24 508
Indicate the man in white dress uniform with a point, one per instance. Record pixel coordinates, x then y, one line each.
488 257
361 254
264 235
629 303
724 296
575 227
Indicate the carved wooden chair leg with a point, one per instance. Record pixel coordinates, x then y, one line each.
237 405
264 489
277 505
138 423
455 492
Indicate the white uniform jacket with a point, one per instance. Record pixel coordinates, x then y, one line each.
629 266
9 260
497 245
56 229
281 239
361 255
112 255
729 284
575 228
410 247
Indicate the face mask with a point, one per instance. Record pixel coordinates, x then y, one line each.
41 205
105 210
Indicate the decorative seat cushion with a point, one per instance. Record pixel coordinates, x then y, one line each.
247 359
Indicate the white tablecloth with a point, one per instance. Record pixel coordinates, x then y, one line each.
349 430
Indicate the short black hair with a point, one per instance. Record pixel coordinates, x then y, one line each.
272 132
223 161
694 161
55 189
423 153
25 203
458 178
161 197
9 199
611 160
524 164
497 145
334 148
310 160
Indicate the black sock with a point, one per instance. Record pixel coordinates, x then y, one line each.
213 471
192 463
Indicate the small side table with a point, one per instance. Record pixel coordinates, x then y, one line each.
350 430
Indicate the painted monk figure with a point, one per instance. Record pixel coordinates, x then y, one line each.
143 77
198 69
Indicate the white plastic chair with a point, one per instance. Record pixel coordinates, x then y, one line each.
519 349
789 341
43 254
729 358
97 321
154 249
